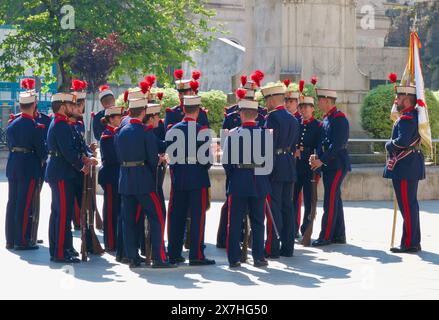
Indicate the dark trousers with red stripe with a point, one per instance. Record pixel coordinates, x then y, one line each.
238 208
111 212
130 214
194 201
18 212
281 203
333 224
407 195
60 230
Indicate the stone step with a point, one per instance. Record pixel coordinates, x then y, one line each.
372 158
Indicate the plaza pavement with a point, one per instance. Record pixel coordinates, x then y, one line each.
363 269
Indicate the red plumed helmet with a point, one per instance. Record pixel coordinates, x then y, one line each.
314 80
160 95
301 85
144 86
241 93
178 74
77 85
287 82
151 79
125 96
194 86
393 77
257 77
103 88
196 75
243 80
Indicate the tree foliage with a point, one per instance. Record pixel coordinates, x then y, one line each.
155 34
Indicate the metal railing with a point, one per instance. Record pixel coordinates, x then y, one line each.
372 142
3 140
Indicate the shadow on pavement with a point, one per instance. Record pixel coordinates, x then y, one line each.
97 270
359 252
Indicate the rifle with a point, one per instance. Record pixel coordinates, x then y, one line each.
187 242
270 215
314 197
35 213
95 246
98 218
84 227
246 241
148 244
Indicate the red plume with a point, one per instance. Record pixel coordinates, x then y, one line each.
28 84
151 79
243 80
160 95
144 86
178 74
77 85
421 103
24 84
241 93
257 77
194 86
196 75
301 85
393 77
287 82
103 88
314 80
84 85
125 96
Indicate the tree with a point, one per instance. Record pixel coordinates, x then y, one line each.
155 34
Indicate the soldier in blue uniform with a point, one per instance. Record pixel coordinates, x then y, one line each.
310 134
64 163
406 167
231 121
190 181
333 159
247 189
108 179
285 134
27 153
106 97
137 151
185 88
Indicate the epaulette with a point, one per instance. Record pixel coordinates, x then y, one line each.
107 136
41 126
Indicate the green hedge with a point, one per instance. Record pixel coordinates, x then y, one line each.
375 112
215 102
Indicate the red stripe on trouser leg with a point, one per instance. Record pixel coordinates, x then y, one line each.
62 219
171 199
332 204
110 216
203 217
407 213
299 209
158 209
229 203
139 210
269 228
30 192
77 217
